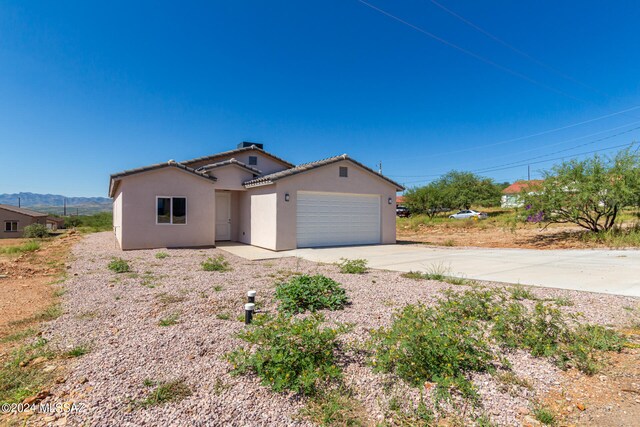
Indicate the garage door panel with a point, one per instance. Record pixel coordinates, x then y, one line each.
332 219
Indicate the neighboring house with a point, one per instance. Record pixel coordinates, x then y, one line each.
401 200
251 196
511 195
13 220
55 223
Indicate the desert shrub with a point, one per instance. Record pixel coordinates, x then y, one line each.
521 293
353 266
77 351
289 353
540 332
544 415
546 332
35 231
161 255
170 320
302 293
101 221
439 276
587 343
171 391
118 265
218 263
428 344
477 303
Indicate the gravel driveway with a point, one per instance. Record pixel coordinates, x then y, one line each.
117 317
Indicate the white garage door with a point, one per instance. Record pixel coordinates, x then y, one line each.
334 219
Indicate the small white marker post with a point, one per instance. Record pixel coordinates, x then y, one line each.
251 297
248 313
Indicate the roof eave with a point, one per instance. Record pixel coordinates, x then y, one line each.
115 178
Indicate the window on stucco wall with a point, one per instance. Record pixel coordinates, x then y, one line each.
171 210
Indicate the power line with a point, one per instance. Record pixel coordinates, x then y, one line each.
470 53
557 143
570 148
515 49
545 132
571 140
538 162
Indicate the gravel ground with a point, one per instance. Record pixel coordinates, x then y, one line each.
117 315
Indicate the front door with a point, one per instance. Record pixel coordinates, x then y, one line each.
223 216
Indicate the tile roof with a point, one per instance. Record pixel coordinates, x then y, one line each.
400 199
229 162
235 151
171 163
22 211
271 178
518 186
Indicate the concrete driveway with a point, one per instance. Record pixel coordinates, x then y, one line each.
607 271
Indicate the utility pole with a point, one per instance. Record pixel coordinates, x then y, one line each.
64 209
18 201
380 167
528 172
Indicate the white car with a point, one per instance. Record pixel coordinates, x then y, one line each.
466 214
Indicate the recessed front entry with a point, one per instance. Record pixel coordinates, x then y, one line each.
223 215
335 219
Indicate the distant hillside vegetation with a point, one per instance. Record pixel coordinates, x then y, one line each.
54 203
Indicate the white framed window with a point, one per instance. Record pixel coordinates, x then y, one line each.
253 160
171 210
10 226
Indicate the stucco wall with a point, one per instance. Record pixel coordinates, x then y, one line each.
139 210
327 179
230 177
265 164
257 217
117 215
23 221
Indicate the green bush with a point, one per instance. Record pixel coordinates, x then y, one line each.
431 344
216 264
119 265
35 231
477 303
544 415
102 221
520 293
353 266
161 255
541 332
303 293
289 353
586 344
447 342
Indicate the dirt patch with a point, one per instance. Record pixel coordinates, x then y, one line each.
25 280
491 236
607 399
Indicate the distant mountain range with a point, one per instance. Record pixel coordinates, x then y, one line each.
54 203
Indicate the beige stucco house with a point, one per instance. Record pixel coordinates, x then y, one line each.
14 219
251 196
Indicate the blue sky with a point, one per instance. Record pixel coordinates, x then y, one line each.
88 89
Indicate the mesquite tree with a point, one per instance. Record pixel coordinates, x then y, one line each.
589 193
